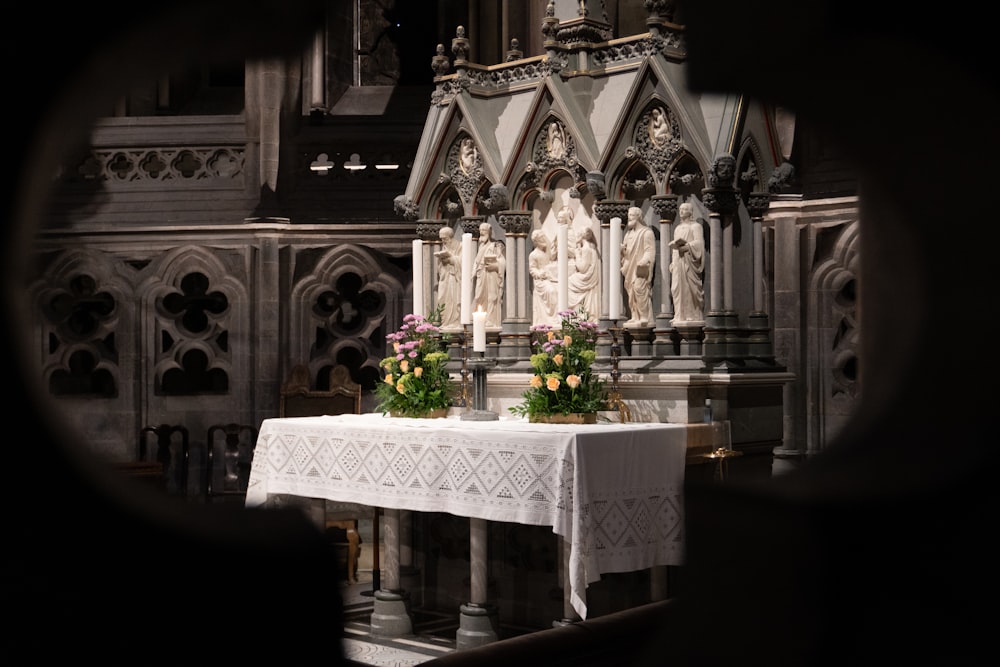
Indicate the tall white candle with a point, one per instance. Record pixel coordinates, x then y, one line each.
479 330
418 278
562 247
468 259
615 270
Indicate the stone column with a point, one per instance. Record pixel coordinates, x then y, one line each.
427 232
721 200
514 343
390 615
760 340
666 207
477 618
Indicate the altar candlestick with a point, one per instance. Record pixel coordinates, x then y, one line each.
562 247
479 330
468 259
615 270
418 277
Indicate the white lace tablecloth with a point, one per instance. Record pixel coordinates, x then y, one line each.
612 491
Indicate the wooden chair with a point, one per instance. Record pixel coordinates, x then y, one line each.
173 453
342 396
228 456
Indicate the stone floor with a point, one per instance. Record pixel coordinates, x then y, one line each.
361 647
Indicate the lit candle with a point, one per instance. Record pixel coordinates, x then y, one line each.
615 270
479 330
562 247
468 259
418 277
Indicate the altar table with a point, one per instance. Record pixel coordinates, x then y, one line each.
612 491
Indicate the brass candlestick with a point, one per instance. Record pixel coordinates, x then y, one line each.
615 400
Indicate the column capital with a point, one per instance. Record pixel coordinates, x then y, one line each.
757 204
428 230
470 224
515 223
607 209
665 206
720 200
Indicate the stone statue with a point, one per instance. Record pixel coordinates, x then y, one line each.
659 127
490 271
638 258
449 279
468 154
544 274
687 261
556 141
585 282
564 218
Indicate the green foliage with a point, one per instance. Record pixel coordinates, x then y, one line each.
416 378
564 381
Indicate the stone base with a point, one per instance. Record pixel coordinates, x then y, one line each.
477 626
390 617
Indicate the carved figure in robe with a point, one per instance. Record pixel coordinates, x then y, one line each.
490 272
468 154
556 141
638 258
449 279
564 218
544 285
585 281
659 127
687 262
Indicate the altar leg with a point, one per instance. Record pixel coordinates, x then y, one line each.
569 613
477 619
391 617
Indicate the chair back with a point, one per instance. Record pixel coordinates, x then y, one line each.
173 453
343 395
229 454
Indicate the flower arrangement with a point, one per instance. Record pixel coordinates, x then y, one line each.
416 378
564 381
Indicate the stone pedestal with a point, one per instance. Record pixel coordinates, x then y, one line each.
477 626
391 616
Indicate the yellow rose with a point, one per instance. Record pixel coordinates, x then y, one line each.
558 359
573 381
404 365
551 335
418 371
536 381
388 378
395 347
568 340
552 384
400 388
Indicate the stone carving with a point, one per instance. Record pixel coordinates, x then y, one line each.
404 206
490 272
687 262
544 275
585 281
449 279
638 259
